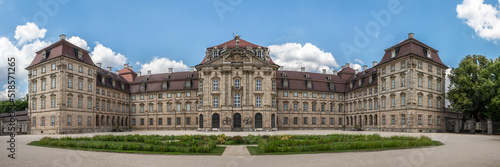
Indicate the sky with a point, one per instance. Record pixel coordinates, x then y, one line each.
157 35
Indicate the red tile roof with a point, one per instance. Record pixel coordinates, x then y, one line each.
175 80
232 43
411 46
62 48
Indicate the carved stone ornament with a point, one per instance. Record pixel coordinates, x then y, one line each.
226 121
247 121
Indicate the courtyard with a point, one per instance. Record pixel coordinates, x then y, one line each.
458 150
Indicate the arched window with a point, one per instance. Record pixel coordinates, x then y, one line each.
237 83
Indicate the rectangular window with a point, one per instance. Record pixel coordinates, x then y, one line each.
53 66
216 102
188 121
150 108
52 121
430 102
285 121
89 104
285 94
216 85
430 84
142 121
439 121
305 121
169 121
160 121
79 120
169 95
295 120
237 83
142 96
322 107
419 100
305 107
383 119
314 120
258 85
274 102
305 95
429 121
160 95
258 101
34 121
178 121
420 119
295 107
150 96
70 82
178 107
295 94
340 121
285 107
178 95
393 119
188 107
403 101
150 121
142 108
43 121
89 121
420 81
133 109
403 119
314 107
69 120
133 122
188 94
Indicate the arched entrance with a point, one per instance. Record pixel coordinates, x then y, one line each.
237 120
273 121
258 120
201 121
215 120
97 120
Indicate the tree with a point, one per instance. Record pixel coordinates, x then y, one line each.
490 80
19 105
465 90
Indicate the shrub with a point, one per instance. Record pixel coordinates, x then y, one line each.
237 139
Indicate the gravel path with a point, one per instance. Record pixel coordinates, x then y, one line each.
459 150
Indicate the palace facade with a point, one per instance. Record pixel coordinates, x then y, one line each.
236 87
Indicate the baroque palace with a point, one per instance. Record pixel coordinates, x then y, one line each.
237 87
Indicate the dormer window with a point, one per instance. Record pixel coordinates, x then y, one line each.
215 53
309 84
429 53
371 79
332 86
44 55
164 86
113 83
103 81
329 78
307 75
393 54
285 83
80 55
142 87
359 82
259 54
352 85
122 86
188 84
283 74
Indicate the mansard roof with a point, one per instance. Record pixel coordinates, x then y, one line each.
175 81
411 46
232 44
109 77
62 48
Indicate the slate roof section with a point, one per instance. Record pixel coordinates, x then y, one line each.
175 81
109 77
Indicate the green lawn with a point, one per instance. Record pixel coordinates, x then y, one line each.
216 151
214 144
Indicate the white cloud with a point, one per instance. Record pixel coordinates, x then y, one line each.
107 57
293 56
483 18
356 67
28 32
359 61
161 65
23 52
79 42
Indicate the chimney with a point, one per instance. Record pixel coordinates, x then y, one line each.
347 64
99 65
125 66
334 72
109 69
116 72
411 35
131 68
149 72
170 70
365 67
342 67
62 36
281 68
302 69
374 63
139 73
192 68
324 71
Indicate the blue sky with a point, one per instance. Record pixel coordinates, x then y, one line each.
181 30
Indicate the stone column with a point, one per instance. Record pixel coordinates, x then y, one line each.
490 127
